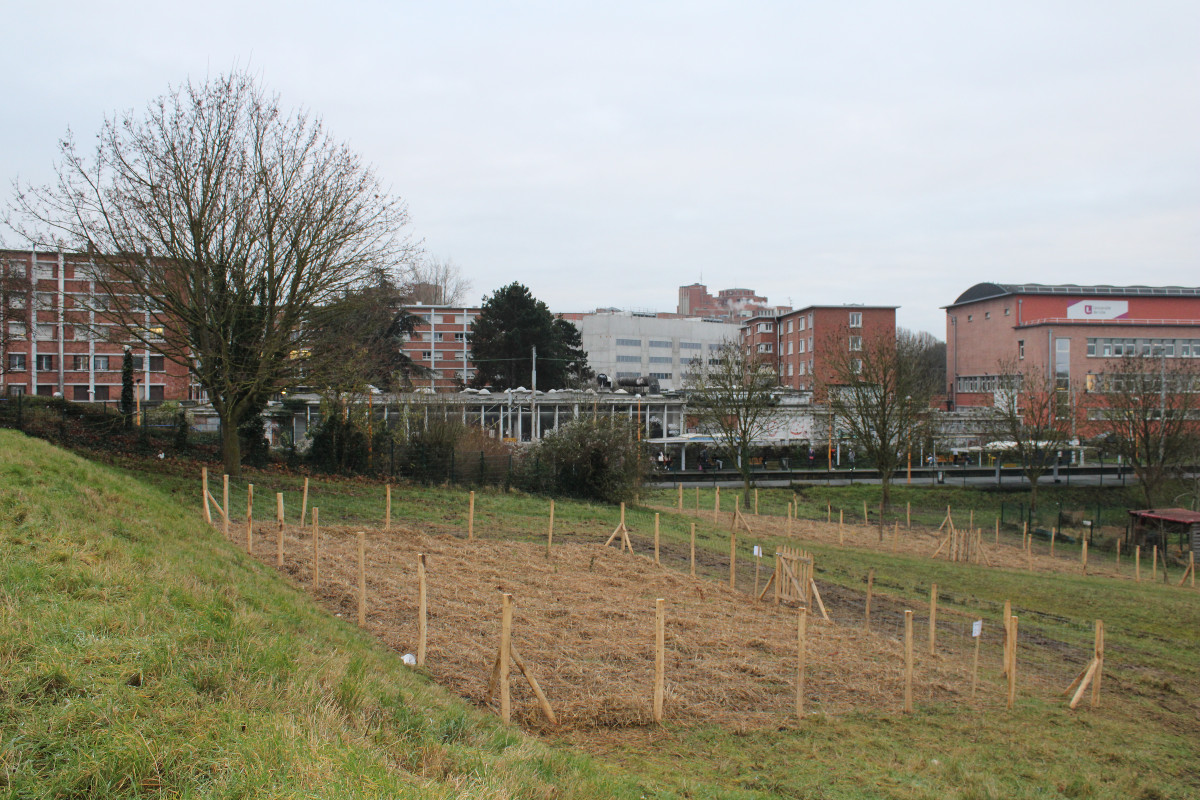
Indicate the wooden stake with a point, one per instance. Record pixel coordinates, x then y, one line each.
908 660
757 565
732 559
1098 654
1053 536
422 610
908 514
225 506
870 589
387 514
679 486
841 520
1137 563
1012 665
505 645
1083 556
204 494
828 513
249 518
316 572
816 595
656 561
304 503
362 579
621 531
801 625
279 534
1192 567
471 522
1154 565
971 520
997 531
550 531
716 502
866 518
1007 635
933 594
533 684
756 502
693 549
660 657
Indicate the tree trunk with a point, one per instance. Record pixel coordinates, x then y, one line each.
1033 484
231 448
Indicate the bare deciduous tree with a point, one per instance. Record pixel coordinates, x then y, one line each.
437 282
735 400
1148 406
1032 420
219 222
878 394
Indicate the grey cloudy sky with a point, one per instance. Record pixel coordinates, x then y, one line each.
604 154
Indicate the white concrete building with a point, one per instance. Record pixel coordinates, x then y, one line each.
626 344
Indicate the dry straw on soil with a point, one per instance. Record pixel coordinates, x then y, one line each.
584 623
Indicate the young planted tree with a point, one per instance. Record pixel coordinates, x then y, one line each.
735 399
878 393
1148 406
219 223
1034 419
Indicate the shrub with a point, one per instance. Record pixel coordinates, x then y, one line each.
595 459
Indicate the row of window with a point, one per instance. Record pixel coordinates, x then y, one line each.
663 343
82 393
638 359
987 383
47 332
19 362
1117 348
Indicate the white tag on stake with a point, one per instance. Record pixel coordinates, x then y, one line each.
976 628
758 551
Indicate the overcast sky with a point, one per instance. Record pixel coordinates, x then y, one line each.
604 154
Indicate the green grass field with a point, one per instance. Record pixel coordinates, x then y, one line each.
144 656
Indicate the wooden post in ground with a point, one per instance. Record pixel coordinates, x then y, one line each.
225 506
870 589
1083 556
737 502
757 566
1053 536
471 523
716 502
679 486
550 530
1024 534
933 594
279 531
1154 565
756 501
656 561
362 579
316 569
1192 567
693 549
1098 654
1007 635
387 512
505 645
971 520
422 610
249 518
304 503
841 523
828 513
660 657
908 660
1012 663
801 624
997 531
866 518
204 494
908 514
732 559
1137 563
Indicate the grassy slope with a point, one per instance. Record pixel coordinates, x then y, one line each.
140 655
1135 745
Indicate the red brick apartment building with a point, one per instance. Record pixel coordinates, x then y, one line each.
798 344
732 305
53 341
1071 331
441 343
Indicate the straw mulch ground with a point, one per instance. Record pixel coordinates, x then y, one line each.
584 623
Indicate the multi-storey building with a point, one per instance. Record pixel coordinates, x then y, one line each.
625 344
441 343
800 344
56 340
730 305
1071 332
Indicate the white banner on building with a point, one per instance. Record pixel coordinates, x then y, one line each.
1098 309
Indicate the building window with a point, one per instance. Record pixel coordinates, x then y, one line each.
426 355
16 362
629 359
790 346
660 359
45 333
970 317
856 366
802 367
1020 348
855 319
660 343
802 325
101 393
856 343
662 376
45 363
1006 312
689 345
79 393
629 342
157 364
79 363
789 326
157 392
100 363
987 315
801 345
458 337
45 390
766 327
766 347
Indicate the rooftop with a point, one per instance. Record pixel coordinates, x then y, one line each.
986 291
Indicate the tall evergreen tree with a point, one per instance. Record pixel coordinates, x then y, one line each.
510 324
127 401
